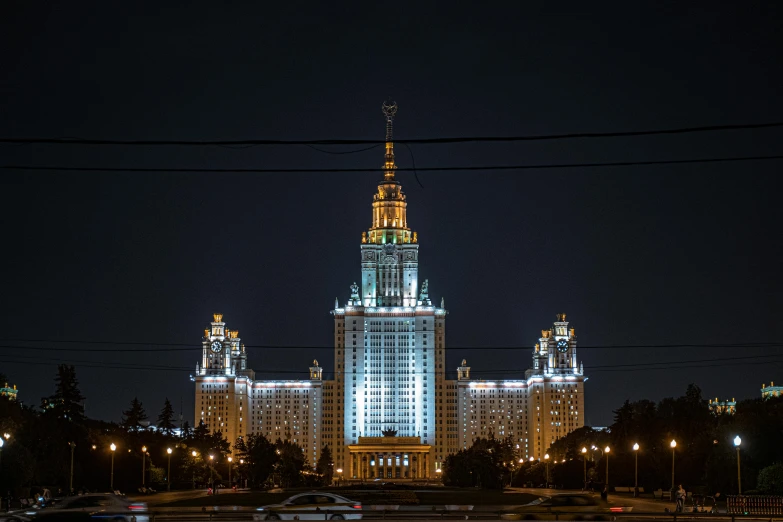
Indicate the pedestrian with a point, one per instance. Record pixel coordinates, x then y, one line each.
605 493
680 498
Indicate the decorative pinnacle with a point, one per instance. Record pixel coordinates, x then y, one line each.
389 109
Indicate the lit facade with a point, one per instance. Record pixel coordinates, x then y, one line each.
719 407
9 391
535 411
771 391
390 412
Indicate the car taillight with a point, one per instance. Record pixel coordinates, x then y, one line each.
357 506
616 509
137 507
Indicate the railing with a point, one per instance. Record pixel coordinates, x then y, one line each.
240 514
754 504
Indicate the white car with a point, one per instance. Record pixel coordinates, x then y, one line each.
312 506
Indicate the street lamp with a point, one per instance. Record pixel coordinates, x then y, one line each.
546 459
606 454
636 469
339 475
193 474
113 448
211 458
230 459
737 442
168 474
584 462
2 443
673 445
73 447
143 459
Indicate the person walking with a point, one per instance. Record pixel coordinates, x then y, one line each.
605 493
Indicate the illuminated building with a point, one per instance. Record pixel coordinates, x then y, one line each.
535 411
231 401
390 412
9 392
771 391
718 407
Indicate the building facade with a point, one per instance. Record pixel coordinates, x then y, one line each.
390 412
771 390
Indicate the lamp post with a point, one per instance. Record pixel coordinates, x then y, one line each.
546 459
2 443
211 458
143 462
737 442
606 454
673 445
70 482
636 469
193 470
339 476
113 448
584 461
242 461
168 473
230 459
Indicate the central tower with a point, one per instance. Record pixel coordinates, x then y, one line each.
389 349
390 253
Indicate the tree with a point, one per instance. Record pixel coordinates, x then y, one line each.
187 431
485 464
770 481
291 463
133 418
165 419
260 458
325 466
67 403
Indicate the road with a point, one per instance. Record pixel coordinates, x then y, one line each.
641 504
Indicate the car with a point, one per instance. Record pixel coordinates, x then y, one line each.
314 505
105 506
564 507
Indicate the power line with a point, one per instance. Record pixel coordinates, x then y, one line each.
658 365
476 139
470 168
176 347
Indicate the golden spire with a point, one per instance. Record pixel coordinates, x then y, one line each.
389 109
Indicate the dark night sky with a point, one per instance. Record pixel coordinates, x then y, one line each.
636 255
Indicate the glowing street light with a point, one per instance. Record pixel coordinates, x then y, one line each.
546 459
211 458
113 448
168 473
230 459
737 442
636 469
673 445
339 475
584 462
606 454
143 459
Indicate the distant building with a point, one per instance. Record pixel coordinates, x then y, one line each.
718 407
9 391
771 391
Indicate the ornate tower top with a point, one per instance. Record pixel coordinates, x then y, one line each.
389 109
389 214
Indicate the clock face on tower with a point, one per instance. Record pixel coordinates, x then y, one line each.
562 346
217 346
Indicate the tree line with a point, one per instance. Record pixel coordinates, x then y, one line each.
705 457
43 442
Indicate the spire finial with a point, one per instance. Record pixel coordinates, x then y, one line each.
389 109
